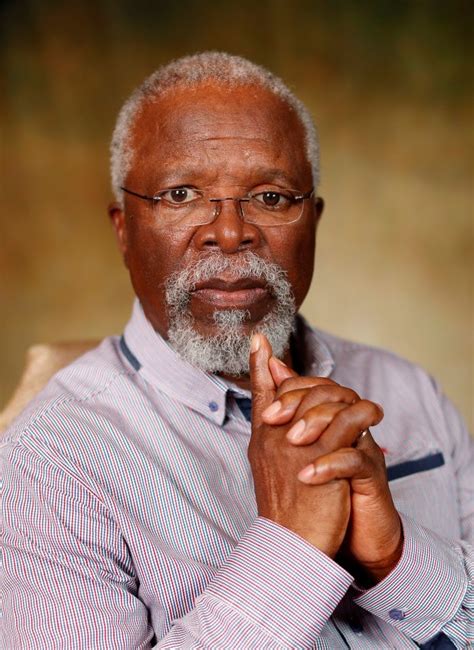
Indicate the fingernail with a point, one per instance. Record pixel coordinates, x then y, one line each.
380 406
255 343
296 431
306 474
272 410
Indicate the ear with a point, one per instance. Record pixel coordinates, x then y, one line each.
118 219
319 207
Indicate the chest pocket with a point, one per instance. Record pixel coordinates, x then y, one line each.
415 466
425 489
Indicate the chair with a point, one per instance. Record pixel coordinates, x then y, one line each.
42 362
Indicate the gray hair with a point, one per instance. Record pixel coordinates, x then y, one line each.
221 67
227 351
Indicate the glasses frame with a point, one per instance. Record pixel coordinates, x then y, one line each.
241 199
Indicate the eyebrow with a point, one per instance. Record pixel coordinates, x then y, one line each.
257 175
275 174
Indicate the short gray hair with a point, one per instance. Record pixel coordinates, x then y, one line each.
226 69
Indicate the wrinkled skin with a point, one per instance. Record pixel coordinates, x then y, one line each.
335 479
229 142
228 145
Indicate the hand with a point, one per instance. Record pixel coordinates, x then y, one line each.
329 418
319 514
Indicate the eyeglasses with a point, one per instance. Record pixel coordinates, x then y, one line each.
186 207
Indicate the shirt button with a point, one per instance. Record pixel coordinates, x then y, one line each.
214 406
396 614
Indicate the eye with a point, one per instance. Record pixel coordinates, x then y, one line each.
271 199
179 195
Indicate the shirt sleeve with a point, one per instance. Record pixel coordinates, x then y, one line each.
275 590
462 455
431 590
68 578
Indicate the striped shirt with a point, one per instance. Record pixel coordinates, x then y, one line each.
130 518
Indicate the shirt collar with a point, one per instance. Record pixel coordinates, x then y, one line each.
206 393
315 354
167 371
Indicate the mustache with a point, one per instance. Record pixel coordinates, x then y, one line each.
247 265
227 350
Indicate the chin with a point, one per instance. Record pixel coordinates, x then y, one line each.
224 345
239 321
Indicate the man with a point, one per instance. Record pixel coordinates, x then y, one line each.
142 507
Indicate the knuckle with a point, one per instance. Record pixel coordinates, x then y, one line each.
342 394
324 391
303 383
370 410
311 398
287 385
354 458
355 455
326 383
345 416
321 394
290 397
352 395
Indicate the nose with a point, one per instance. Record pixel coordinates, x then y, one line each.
228 230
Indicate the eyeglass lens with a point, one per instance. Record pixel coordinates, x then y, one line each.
253 210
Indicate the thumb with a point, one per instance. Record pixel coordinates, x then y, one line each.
261 380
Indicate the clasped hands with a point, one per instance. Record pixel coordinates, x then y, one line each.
313 471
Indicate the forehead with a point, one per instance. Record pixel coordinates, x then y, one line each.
215 131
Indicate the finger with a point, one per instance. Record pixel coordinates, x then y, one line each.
295 383
282 410
315 421
348 423
296 403
366 443
280 371
347 463
261 380
322 394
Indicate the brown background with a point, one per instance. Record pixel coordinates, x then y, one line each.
390 86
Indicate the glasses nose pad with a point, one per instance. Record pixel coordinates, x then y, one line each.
216 210
241 208
218 207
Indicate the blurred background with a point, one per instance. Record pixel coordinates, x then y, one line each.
390 86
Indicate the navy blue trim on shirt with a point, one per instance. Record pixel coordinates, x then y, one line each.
415 466
129 354
245 405
439 642
395 471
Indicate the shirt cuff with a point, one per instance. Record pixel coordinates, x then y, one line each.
281 583
426 588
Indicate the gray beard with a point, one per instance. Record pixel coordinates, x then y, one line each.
228 351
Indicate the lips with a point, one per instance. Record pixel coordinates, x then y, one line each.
236 293
230 285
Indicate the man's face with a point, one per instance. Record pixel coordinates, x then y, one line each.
225 142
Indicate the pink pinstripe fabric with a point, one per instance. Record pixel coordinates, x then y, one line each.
130 519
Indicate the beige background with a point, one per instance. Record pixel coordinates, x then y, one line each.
390 86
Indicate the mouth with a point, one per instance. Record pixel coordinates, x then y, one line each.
231 294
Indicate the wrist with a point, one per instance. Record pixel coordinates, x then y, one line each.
369 573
